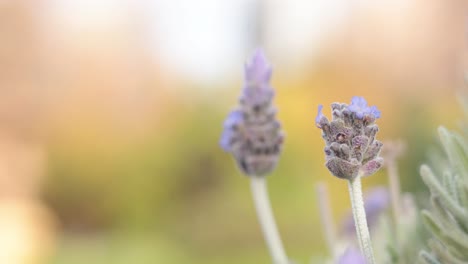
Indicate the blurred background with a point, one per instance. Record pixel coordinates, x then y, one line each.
111 113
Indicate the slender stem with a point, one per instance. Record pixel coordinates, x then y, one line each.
326 217
267 221
359 213
394 182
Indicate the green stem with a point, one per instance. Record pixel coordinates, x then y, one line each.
267 221
359 214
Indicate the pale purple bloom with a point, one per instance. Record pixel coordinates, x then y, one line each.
359 107
252 134
319 115
232 124
374 111
352 256
257 91
258 71
234 118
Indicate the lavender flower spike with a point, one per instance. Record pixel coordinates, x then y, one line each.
252 134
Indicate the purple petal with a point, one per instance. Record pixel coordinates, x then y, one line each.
374 111
258 70
377 200
359 107
234 118
359 101
319 115
225 141
352 256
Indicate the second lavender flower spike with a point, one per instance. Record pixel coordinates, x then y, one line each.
252 134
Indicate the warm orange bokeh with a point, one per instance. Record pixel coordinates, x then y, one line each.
109 155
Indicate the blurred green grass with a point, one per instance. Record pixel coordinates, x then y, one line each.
124 249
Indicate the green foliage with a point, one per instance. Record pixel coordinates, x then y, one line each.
402 240
447 219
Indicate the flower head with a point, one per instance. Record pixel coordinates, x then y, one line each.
352 256
351 147
359 107
252 134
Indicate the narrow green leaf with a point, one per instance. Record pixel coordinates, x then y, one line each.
427 258
462 192
443 253
450 185
454 151
436 189
448 223
463 144
448 238
439 212
432 224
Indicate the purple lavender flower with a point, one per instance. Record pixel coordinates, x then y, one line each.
251 133
258 71
352 256
351 147
376 202
232 125
359 107
319 116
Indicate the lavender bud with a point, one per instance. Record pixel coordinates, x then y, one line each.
252 134
372 166
351 148
343 169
